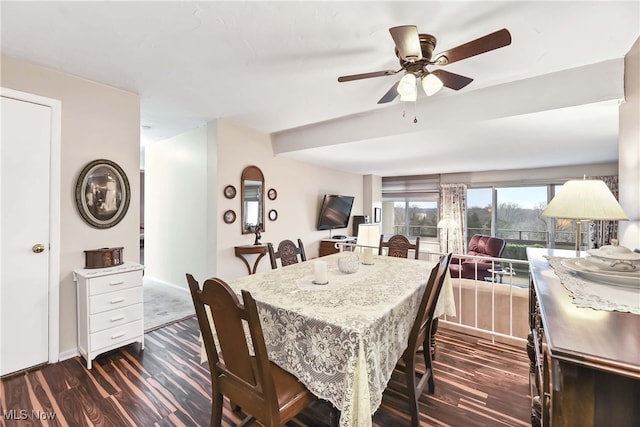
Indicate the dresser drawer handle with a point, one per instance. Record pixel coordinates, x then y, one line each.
113 337
117 300
116 283
116 319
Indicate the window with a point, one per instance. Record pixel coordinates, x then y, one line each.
410 205
563 231
519 214
415 218
479 209
511 213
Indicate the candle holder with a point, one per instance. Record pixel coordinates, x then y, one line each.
320 277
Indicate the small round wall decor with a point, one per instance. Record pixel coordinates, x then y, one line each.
229 216
229 191
273 214
272 194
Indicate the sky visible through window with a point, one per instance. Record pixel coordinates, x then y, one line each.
525 197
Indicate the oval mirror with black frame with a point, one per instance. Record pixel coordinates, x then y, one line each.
252 194
102 193
273 214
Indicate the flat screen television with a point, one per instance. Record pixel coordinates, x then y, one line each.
335 212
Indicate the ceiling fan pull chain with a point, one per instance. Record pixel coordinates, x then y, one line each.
415 115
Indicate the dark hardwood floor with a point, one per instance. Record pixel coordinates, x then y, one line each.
477 384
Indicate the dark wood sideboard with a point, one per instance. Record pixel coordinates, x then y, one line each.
585 363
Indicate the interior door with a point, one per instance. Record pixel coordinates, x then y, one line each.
24 232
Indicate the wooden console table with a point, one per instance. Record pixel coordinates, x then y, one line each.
242 251
585 363
328 246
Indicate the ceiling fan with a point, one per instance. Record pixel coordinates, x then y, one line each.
415 51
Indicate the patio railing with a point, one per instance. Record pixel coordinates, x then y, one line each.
495 306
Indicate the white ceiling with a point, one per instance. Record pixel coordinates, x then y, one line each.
548 99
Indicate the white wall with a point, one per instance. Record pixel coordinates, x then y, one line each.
372 194
98 122
629 151
179 232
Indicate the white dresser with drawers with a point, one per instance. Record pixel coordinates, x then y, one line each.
110 310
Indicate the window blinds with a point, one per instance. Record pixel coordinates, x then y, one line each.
411 188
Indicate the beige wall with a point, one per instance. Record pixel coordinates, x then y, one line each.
629 150
300 188
184 204
97 122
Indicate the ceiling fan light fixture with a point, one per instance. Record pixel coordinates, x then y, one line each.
407 85
409 97
431 84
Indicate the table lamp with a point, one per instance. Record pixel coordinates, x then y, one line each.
368 239
584 200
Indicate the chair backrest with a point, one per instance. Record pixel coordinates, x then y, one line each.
246 380
287 252
422 325
399 246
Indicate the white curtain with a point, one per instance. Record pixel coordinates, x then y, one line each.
453 207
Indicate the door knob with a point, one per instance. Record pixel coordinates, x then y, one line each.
38 248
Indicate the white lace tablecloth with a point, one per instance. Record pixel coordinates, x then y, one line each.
599 296
343 339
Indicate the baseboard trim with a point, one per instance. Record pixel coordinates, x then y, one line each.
168 323
162 282
69 354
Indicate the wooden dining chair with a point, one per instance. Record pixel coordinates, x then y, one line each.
287 252
420 336
399 246
251 382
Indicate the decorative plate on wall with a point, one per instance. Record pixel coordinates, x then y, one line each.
229 191
102 193
229 216
272 194
273 214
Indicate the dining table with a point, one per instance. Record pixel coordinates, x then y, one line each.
342 339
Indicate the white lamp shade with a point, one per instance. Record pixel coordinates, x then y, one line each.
409 97
407 85
585 199
431 84
368 235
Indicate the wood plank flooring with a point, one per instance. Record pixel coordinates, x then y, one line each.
477 384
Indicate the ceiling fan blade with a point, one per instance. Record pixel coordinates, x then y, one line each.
407 42
390 95
475 47
366 75
452 80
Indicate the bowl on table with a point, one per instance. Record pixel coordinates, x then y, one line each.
348 263
614 258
